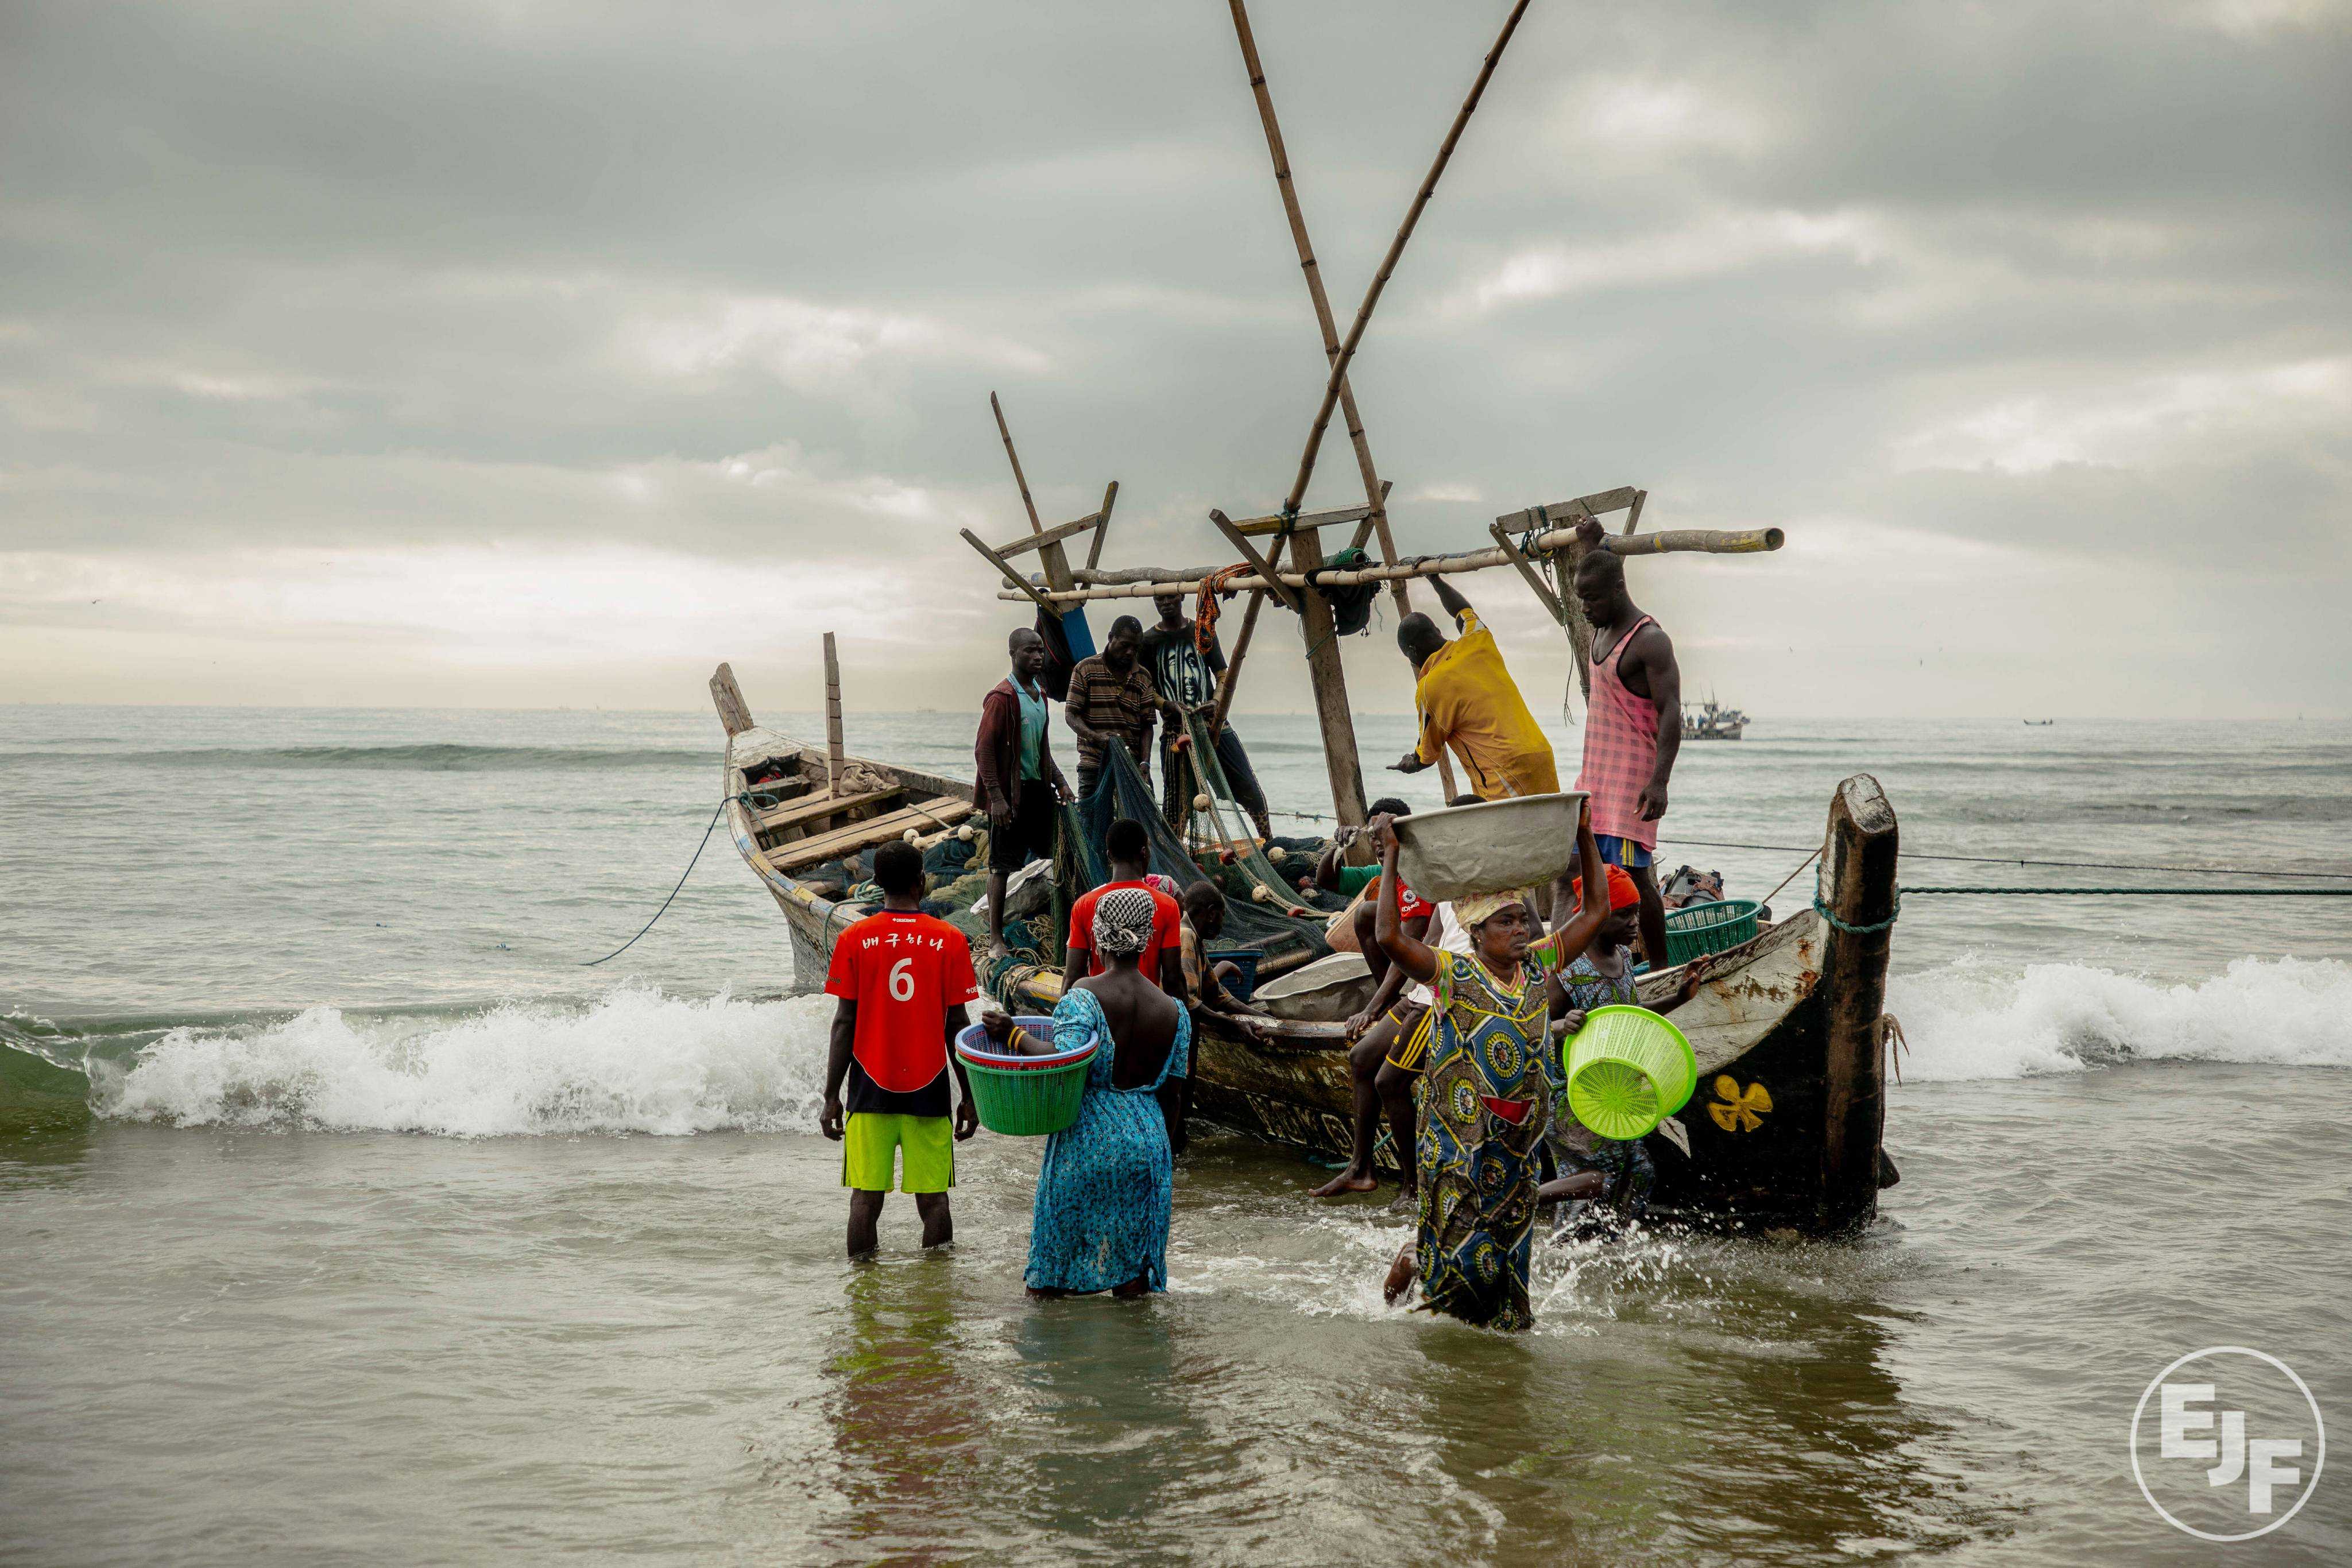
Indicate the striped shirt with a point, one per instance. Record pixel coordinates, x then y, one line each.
1125 706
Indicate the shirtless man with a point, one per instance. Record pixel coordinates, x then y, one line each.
1631 731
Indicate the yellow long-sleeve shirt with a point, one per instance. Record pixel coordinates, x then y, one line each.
1467 700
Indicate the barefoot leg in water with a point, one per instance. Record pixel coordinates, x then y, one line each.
1394 1084
1400 1273
1135 1287
1364 1060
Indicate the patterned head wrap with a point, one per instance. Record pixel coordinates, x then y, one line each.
1123 920
1478 908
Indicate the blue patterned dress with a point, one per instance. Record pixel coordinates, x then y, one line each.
1478 1168
1109 1181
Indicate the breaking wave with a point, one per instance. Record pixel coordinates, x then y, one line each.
633 1062
1975 1019
639 1060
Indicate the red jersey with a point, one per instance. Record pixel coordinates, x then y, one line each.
1167 928
904 970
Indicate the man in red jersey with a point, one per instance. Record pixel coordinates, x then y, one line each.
1129 849
902 979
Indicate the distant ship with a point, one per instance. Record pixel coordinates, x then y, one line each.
1713 722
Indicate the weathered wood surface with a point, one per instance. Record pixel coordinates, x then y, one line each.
1673 541
1265 573
1329 678
728 698
835 755
1526 570
1052 535
1025 588
1858 886
1050 554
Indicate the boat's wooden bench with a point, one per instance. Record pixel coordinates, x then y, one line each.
817 807
928 816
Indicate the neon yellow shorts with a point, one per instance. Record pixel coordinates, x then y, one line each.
872 1141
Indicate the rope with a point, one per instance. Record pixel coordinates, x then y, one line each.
723 802
2011 860
2152 891
1787 878
1205 608
1852 930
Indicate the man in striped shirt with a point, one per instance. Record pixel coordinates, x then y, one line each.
1112 699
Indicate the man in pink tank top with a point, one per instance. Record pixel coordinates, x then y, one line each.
1632 729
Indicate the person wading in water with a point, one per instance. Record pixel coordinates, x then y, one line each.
1488 1096
1633 729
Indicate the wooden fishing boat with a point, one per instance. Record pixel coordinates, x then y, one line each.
1784 1131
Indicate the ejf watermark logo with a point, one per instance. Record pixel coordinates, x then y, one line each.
2227 1443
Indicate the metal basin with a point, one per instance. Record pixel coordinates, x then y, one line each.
1488 848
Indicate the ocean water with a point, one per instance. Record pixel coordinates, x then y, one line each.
393 1233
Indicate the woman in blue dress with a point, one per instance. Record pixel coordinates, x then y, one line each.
1487 1090
1107 1183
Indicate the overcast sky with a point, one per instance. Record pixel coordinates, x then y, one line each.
532 354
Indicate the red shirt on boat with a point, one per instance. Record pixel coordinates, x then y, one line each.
1167 928
904 970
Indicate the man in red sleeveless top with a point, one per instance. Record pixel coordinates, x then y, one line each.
902 979
1632 729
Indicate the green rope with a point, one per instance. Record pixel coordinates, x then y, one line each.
1852 930
2151 891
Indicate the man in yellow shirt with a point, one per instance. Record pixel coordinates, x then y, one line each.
1467 700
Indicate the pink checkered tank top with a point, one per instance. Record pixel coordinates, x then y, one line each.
1621 748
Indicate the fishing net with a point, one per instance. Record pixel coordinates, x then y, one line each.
1124 791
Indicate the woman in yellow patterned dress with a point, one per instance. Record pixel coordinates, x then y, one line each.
1487 1086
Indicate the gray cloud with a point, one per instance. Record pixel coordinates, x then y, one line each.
2035 287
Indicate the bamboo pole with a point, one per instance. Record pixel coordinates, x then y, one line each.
997 409
1374 491
1388 263
835 757
1673 541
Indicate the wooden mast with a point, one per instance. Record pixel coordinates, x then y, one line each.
1284 182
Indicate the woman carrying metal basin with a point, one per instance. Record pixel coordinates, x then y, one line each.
1488 1088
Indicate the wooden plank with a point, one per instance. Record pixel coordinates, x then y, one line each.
1050 554
1567 514
733 712
815 806
835 755
1634 512
942 811
1102 524
1052 535
1011 576
1275 585
1528 571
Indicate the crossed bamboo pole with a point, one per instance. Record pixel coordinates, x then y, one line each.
1344 351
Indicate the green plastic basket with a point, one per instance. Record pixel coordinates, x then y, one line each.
1715 927
1628 1069
1024 1102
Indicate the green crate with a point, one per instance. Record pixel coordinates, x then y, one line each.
1708 929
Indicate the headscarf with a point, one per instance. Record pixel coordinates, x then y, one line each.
1123 920
1623 893
1480 907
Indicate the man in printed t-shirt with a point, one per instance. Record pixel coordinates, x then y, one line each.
903 978
1128 847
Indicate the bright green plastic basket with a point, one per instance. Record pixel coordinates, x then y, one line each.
1628 1069
1715 927
1024 1102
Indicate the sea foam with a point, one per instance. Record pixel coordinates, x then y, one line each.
634 1060
637 1061
1973 1020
